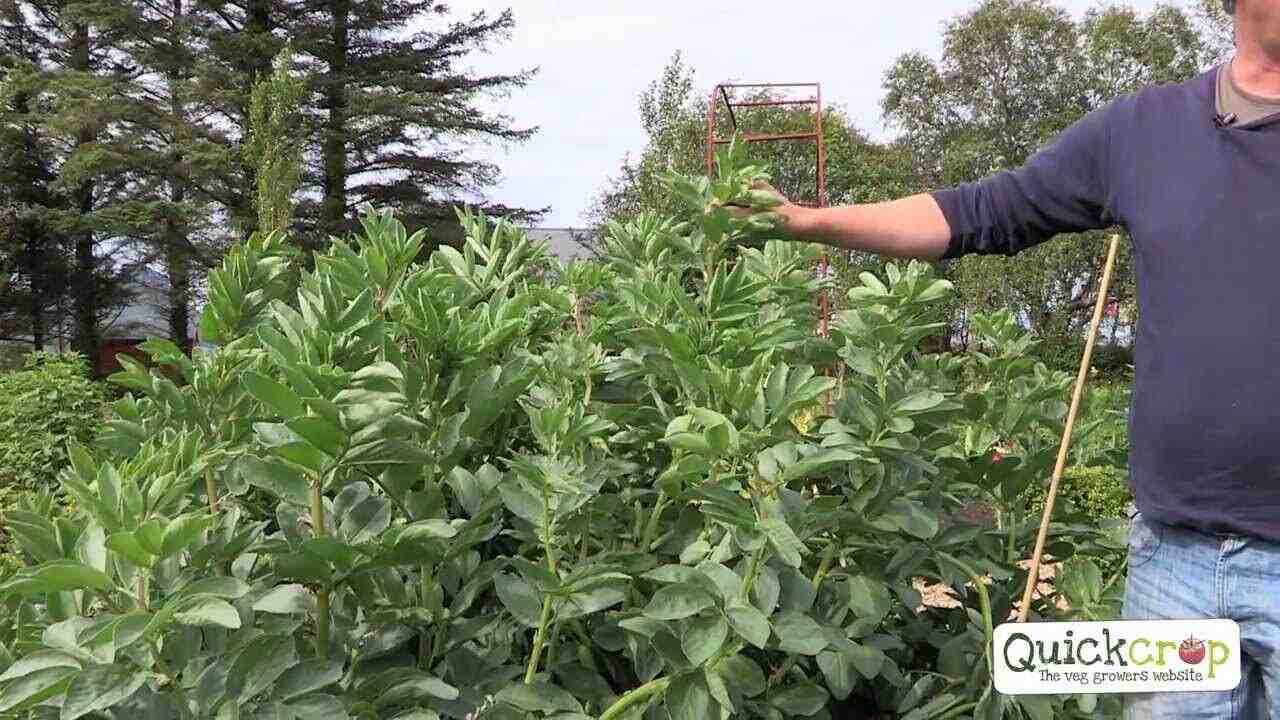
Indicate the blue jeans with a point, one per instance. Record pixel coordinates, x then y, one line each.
1176 573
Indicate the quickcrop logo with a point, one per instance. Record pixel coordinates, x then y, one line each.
1119 656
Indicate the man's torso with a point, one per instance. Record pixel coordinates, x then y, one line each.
1201 200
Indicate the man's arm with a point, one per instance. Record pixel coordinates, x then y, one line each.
911 227
1062 188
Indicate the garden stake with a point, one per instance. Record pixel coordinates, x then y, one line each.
1033 574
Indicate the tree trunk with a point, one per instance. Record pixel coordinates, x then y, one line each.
179 271
84 281
38 288
36 260
333 211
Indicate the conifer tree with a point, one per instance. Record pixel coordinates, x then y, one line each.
33 269
394 99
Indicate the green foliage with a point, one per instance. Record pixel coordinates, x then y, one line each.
13 355
1101 435
1110 363
275 144
1099 491
483 485
47 403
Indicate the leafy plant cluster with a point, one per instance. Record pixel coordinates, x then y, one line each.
47 402
1100 491
483 485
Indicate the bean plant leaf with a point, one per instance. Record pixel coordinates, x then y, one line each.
804 699
798 633
182 531
868 598
743 675
519 598
100 687
784 540
749 623
678 601
309 676
36 687
539 697
40 660
279 398
286 599
210 611
57 576
688 698
703 636
911 517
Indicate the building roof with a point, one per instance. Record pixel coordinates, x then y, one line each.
566 243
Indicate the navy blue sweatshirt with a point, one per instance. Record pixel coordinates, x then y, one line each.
1201 201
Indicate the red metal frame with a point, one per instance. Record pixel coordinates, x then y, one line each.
720 94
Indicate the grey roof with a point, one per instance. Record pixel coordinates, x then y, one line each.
566 243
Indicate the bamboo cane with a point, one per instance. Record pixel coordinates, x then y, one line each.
1033 576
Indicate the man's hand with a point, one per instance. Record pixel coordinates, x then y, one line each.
911 227
769 204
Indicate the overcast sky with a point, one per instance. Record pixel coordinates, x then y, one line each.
596 56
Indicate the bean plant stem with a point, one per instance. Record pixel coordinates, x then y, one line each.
544 622
212 488
828 558
749 582
322 595
957 711
1013 539
651 527
424 643
538 641
641 694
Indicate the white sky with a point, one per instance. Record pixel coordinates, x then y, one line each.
596 56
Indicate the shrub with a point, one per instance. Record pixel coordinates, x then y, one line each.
13 355
50 401
1100 492
445 489
1109 363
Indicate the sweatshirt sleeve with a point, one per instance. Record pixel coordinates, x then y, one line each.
1062 188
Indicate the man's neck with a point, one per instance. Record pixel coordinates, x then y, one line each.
1255 70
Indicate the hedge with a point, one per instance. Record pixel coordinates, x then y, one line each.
49 401
1101 492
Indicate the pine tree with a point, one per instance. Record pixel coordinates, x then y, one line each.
183 170
33 272
392 102
78 71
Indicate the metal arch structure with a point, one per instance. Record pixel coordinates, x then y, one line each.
720 96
